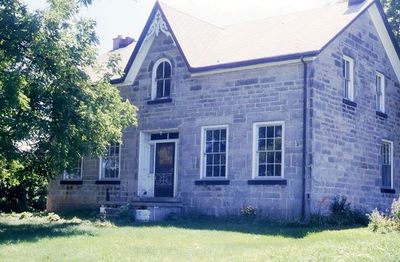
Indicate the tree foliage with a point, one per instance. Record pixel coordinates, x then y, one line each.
51 111
392 10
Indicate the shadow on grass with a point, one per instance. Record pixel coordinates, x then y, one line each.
296 231
27 232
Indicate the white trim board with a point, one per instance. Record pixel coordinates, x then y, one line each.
385 38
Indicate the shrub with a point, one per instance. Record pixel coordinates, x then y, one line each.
341 214
249 211
386 223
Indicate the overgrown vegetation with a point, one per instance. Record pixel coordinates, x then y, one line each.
380 222
341 214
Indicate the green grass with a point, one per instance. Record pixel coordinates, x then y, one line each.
36 239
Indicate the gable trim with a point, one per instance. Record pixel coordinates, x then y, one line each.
385 33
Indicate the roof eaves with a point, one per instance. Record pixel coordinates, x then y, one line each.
254 62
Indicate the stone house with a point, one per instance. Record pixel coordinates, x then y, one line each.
281 114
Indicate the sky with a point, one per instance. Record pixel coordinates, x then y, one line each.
128 17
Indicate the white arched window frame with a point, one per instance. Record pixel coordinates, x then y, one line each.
161 79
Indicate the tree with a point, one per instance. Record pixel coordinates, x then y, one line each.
51 111
392 10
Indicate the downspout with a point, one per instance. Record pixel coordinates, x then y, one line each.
304 160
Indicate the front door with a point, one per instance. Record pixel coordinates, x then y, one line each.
164 170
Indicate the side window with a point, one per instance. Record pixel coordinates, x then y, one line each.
387 164
214 152
268 151
161 86
109 164
74 174
380 92
348 78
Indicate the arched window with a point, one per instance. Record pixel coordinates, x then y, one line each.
161 79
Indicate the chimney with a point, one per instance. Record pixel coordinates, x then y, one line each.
121 42
355 2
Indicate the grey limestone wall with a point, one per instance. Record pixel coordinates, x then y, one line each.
345 140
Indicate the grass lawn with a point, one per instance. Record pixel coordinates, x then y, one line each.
199 240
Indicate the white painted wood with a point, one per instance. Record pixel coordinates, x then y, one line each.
385 38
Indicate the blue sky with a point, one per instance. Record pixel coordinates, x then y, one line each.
127 17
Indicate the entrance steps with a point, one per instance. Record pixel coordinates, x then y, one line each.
160 208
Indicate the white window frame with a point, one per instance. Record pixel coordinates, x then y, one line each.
154 76
255 149
351 77
65 173
382 98
204 129
119 168
391 161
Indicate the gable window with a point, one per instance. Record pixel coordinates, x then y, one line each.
110 163
75 173
268 150
214 152
387 163
348 78
161 79
380 92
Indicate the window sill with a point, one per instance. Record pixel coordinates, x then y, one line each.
282 182
381 114
349 102
108 182
71 182
159 101
388 190
211 182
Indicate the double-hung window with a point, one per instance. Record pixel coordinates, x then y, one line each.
387 163
214 152
268 154
110 163
380 92
75 173
348 77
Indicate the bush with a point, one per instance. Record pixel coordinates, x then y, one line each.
341 214
386 223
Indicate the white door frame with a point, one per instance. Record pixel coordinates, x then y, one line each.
143 159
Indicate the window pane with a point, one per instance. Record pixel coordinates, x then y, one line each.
216 147
271 158
261 170
167 71
270 144
209 171
270 170
262 158
209 159
223 159
167 91
278 169
386 176
278 131
160 88
159 74
223 172
223 134
278 144
223 146
209 135
261 132
270 132
261 144
209 147
278 157
216 171
217 159
216 135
